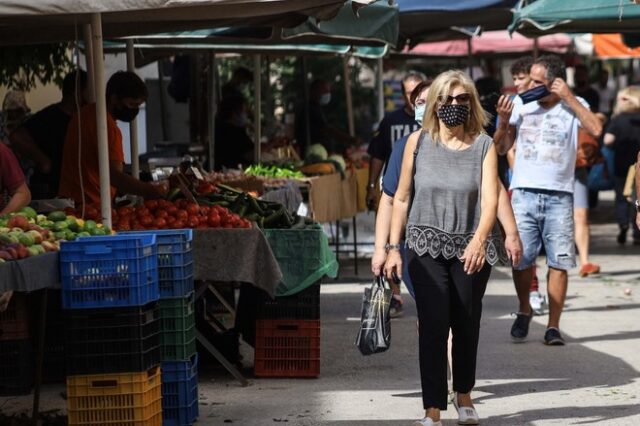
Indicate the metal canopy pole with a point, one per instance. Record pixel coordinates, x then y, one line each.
133 126
470 57
213 108
380 90
88 59
352 133
101 119
257 129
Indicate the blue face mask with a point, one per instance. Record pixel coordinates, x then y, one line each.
534 94
419 113
325 98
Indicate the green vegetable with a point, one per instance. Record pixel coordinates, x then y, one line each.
316 152
57 216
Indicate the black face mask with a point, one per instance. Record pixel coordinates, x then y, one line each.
126 114
534 94
453 115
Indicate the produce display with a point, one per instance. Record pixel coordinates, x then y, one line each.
319 162
273 172
267 214
178 214
25 233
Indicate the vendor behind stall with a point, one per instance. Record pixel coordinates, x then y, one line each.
320 131
14 195
80 177
41 138
233 146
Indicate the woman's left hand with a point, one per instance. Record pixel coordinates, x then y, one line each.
473 256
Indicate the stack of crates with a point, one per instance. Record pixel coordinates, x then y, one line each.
16 355
110 295
178 328
288 335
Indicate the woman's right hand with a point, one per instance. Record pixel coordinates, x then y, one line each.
393 265
377 261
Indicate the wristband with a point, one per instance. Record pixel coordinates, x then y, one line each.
390 247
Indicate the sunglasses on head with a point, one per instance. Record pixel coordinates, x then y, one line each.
462 98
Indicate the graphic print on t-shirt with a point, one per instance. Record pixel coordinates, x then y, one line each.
544 138
398 131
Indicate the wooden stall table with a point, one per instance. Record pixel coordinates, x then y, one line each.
232 256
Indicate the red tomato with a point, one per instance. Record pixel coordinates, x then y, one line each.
161 214
151 204
205 188
160 223
180 224
170 220
214 220
142 211
125 211
204 210
182 215
181 203
193 222
192 209
146 220
172 209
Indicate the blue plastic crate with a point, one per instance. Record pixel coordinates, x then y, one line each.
109 271
180 391
175 260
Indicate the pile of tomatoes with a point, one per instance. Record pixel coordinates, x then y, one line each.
163 214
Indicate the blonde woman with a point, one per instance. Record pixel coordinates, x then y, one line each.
448 198
623 135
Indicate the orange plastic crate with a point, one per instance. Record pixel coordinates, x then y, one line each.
14 322
131 399
287 348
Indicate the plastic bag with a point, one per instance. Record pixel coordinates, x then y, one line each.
374 335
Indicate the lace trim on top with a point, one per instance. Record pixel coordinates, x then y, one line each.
435 242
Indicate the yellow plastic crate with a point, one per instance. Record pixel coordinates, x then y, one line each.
131 399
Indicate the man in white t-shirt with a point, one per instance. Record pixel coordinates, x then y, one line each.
546 132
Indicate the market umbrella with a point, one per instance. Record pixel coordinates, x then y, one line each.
374 25
593 16
436 20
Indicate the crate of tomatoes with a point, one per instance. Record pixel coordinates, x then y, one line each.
179 214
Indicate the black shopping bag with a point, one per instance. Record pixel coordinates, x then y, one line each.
375 325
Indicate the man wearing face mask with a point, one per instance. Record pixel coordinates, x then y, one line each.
233 146
125 93
546 129
394 126
319 130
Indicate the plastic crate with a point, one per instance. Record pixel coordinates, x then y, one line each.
115 399
178 328
287 348
112 340
175 260
180 392
16 367
301 306
14 321
109 271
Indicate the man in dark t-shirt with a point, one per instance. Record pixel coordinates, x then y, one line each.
584 90
40 139
393 126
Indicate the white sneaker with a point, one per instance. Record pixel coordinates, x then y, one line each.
466 415
427 422
536 300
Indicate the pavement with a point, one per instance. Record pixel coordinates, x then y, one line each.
593 380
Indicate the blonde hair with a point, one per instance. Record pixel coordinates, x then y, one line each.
442 86
633 105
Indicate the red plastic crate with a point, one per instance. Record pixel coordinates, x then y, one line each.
287 348
14 322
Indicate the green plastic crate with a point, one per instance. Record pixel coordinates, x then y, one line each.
178 328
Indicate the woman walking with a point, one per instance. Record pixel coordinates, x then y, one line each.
448 198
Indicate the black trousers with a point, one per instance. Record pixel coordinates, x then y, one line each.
446 297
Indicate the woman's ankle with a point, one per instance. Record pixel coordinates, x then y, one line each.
464 399
433 414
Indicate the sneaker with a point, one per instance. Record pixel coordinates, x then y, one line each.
427 422
396 309
536 300
552 337
589 269
520 327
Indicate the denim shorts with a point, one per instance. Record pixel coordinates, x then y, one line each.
545 218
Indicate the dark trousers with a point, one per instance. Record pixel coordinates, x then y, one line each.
625 213
446 297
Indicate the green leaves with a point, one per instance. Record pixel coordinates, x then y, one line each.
25 66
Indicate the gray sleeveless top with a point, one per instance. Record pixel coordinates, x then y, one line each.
445 211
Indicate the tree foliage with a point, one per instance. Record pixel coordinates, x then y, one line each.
22 67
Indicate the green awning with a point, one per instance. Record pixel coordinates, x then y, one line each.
592 16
